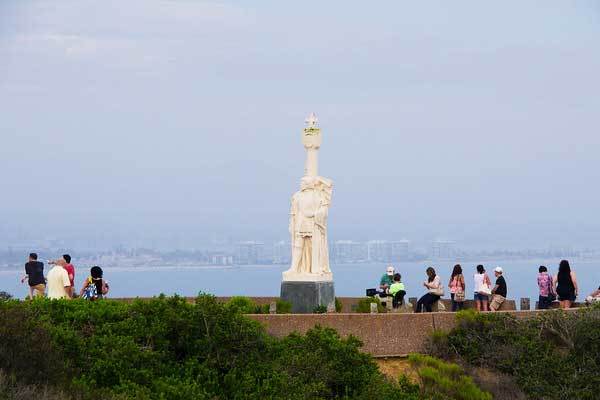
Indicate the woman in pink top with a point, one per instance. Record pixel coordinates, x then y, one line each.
546 286
457 285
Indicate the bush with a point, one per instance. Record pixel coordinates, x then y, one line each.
26 346
284 307
243 305
320 310
555 355
364 305
167 349
338 305
5 296
441 381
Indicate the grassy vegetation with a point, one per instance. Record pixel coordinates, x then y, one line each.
553 356
364 305
166 348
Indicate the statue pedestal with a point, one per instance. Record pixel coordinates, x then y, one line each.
305 296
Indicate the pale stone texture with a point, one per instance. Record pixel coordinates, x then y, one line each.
308 216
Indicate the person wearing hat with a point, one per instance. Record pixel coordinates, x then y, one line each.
387 279
384 285
499 291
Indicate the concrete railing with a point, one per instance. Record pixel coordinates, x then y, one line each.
383 335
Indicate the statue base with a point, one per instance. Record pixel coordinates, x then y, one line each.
289 276
308 295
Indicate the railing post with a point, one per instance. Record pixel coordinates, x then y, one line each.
525 304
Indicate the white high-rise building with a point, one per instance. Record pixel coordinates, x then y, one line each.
250 252
388 251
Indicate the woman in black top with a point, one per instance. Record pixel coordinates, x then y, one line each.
566 285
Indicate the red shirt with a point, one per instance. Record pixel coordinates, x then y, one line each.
71 272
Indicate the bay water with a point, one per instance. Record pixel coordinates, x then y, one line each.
350 280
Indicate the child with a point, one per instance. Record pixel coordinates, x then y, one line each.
397 291
94 287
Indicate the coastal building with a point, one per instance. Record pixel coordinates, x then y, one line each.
281 252
349 251
388 251
250 252
443 250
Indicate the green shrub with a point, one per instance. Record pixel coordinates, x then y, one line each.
555 355
338 305
5 296
284 307
26 347
166 348
320 310
441 380
243 305
364 305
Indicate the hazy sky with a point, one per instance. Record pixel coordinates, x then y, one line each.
466 120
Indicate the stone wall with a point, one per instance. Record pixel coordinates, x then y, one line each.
383 335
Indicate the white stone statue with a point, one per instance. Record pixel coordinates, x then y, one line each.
308 216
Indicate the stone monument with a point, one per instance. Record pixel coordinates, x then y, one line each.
309 283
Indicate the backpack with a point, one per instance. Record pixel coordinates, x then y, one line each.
90 292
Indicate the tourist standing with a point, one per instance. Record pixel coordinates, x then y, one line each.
457 288
70 268
594 297
546 287
566 285
482 285
435 290
94 287
34 273
59 284
499 290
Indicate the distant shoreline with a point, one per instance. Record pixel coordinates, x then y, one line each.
489 262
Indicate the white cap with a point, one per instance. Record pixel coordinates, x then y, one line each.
390 270
498 270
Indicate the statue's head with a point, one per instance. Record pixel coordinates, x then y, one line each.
307 182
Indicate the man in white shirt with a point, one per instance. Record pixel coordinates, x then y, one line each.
58 282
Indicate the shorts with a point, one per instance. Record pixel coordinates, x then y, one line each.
497 301
481 297
38 290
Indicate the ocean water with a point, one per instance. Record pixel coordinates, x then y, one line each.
264 280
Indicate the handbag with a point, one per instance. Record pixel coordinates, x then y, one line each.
459 297
438 291
485 289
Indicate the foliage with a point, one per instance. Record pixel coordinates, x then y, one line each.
166 349
26 347
441 380
555 355
5 296
284 307
320 309
246 305
338 305
364 305
242 304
